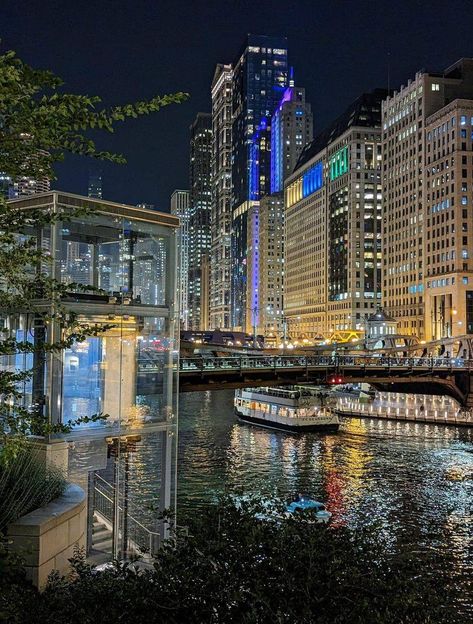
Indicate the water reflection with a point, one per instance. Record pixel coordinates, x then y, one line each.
413 480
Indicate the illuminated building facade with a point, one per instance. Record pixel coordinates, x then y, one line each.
333 225
259 81
408 201
291 129
200 206
448 225
271 266
22 187
180 208
221 217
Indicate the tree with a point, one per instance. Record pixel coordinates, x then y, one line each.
39 125
237 569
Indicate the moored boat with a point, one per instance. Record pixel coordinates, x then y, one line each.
282 408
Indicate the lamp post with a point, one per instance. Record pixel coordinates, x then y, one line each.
254 310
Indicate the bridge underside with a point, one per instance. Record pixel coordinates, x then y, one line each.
455 385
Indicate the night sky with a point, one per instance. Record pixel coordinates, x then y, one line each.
124 50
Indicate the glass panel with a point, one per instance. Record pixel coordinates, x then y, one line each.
123 372
127 259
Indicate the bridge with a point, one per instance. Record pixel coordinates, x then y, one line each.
416 375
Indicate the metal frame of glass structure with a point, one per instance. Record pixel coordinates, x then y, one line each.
129 370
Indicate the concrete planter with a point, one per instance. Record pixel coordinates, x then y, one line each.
46 537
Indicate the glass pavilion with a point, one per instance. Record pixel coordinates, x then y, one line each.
128 371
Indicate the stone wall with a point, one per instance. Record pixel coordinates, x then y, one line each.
46 537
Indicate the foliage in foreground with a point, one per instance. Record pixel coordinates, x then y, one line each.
234 568
27 484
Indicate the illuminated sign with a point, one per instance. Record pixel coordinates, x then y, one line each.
339 163
312 179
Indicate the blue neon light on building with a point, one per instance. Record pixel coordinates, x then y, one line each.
277 143
312 179
254 170
254 164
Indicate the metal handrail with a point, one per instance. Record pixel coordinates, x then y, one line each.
143 539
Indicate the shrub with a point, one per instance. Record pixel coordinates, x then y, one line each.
26 483
234 568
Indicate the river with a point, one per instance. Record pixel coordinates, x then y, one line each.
409 479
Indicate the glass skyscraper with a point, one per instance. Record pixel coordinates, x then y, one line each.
259 79
200 205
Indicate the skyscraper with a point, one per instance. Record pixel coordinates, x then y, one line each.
94 187
22 187
221 218
333 225
448 175
259 81
292 127
410 201
180 208
271 266
200 200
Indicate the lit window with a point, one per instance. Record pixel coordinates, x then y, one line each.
435 86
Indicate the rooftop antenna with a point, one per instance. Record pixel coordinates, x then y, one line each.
389 71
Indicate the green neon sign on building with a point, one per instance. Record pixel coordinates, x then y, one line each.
339 163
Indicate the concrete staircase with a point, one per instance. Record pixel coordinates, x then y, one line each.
101 550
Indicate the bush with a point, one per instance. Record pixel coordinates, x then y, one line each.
233 568
26 483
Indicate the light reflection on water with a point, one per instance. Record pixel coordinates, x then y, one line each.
413 480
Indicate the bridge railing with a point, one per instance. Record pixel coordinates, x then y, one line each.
252 362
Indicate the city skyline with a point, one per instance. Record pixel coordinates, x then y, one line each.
318 44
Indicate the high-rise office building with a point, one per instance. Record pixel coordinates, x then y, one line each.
221 217
333 225
448 253
25 185
292 127
22 187
200 205
271 266
410 214
180 208
259 81
291 130
94 186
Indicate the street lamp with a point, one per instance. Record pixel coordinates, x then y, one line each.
254 310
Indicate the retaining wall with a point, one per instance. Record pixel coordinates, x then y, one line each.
46 537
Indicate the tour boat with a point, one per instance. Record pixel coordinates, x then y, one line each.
282 408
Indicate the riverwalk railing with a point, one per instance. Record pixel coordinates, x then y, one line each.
346 407
137 537
251 362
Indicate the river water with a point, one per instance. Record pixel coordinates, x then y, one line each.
410 479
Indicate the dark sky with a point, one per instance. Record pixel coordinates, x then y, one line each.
124 50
